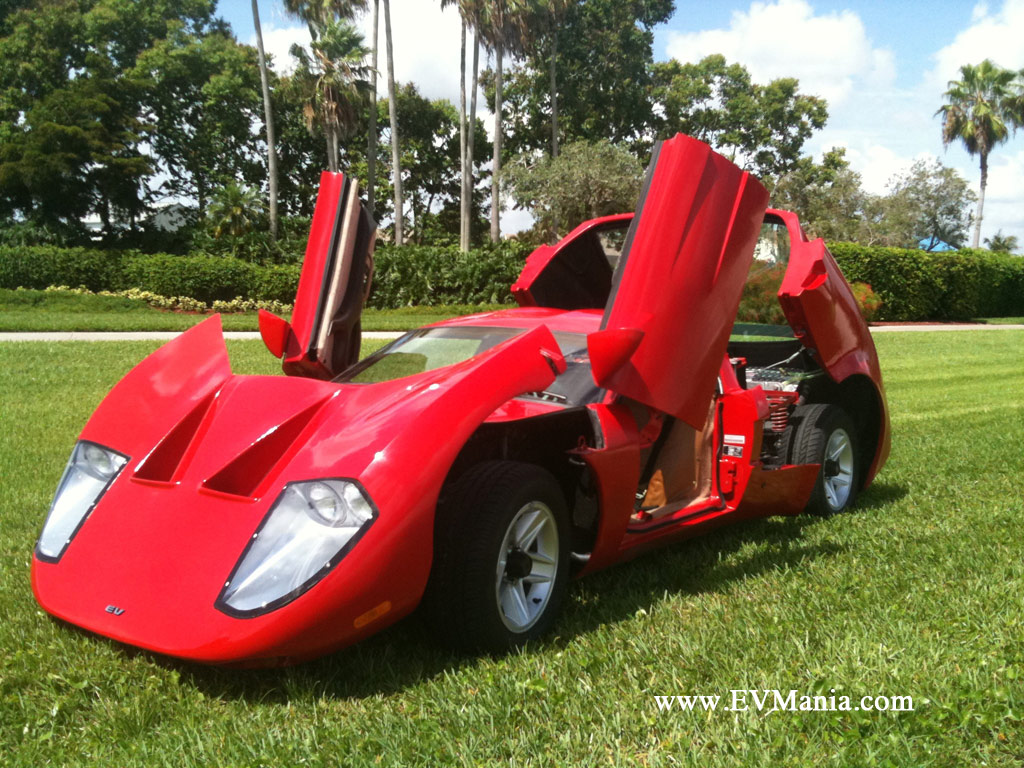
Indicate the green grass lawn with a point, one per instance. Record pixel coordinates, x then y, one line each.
41 311
1002 320
917 593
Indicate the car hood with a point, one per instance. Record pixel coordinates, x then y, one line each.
210 452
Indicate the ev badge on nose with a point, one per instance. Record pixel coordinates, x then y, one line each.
114 610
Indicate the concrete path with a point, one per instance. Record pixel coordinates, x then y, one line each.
164 335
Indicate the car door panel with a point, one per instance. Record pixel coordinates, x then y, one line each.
324 335
678 283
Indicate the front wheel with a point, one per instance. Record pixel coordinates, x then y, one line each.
825 435
501 557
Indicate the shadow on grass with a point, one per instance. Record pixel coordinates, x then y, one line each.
880 495
403 656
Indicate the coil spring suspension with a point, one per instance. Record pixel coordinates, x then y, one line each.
779 411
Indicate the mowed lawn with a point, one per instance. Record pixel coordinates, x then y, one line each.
920 593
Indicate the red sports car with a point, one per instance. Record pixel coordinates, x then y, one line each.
475 466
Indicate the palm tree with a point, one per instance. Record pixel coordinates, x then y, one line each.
234 210
555 12
505 27
326 19
336 82
319 13
371 149
1001 243
396 161
468 180
268 117
980 110
470 11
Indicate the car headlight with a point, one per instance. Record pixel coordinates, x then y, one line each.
90 471
309 529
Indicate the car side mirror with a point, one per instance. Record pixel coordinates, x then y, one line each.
276 333
611 349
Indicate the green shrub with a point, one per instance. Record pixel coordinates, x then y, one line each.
206 278
911 285
38 266
23 233
956 285
256 246
760 301
1001 284
277 283
425 275
867 300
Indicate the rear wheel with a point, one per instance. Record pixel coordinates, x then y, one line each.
501 557
825 435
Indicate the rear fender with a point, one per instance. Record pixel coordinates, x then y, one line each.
820 307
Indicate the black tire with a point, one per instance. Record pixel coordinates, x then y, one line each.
819 428
462 601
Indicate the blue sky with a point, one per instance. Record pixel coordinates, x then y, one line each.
882 65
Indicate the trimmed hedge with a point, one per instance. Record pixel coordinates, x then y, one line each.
406 276
955 285
39 266
424 275
913 285
206 278
277 282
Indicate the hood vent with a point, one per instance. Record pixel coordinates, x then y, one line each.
163 462
247 471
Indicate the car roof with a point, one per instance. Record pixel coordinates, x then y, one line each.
575 321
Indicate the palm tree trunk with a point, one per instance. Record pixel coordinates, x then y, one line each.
371 149
496 164
396 160
463 142
470 155
554 89
981 199
268 117
332 149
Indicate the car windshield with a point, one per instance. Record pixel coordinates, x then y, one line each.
429 348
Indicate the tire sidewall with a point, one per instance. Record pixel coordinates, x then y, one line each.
461 601
545 490
816 425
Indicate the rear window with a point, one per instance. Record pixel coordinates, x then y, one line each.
760 316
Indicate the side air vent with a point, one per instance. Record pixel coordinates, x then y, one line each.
244 474
163 463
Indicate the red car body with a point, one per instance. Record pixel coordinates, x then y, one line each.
206 453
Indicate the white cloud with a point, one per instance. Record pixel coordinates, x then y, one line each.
426 45
830 53
1004 199
877 165
425 41
995 36
278 41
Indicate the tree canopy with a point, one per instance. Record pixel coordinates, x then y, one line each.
111 108
760 127
586 180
